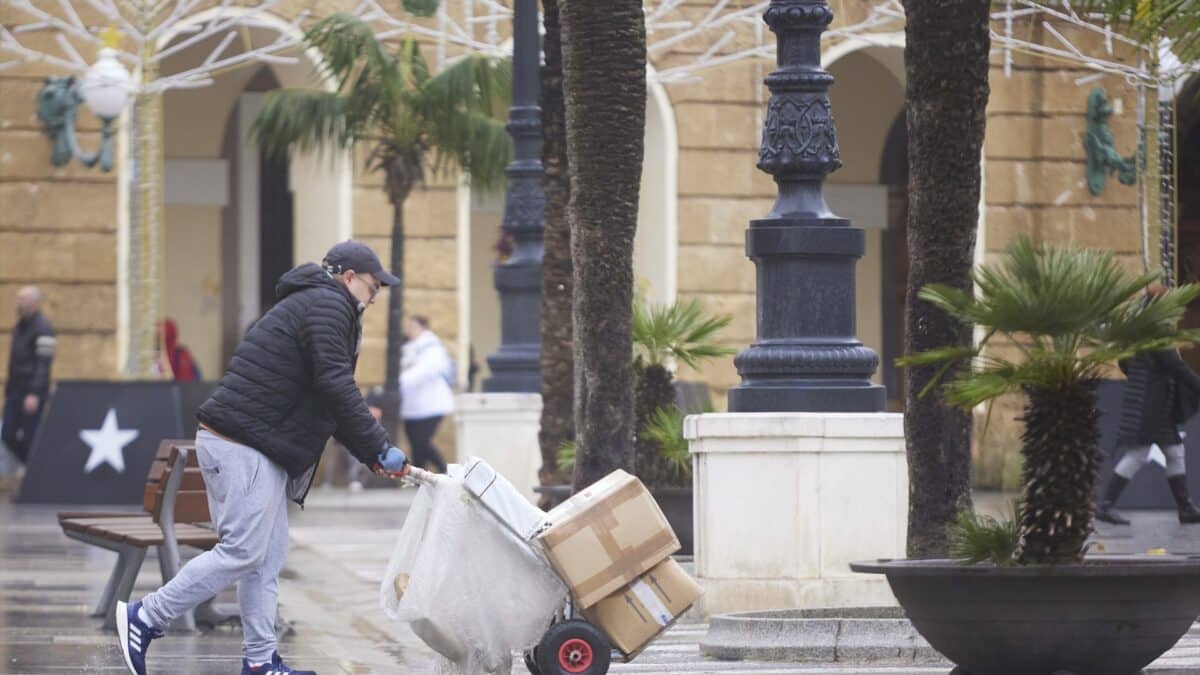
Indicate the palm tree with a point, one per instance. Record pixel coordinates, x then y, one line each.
946 60
411 119
557 358
604 87
1069 313
662 334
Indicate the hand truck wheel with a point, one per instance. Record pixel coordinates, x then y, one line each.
531 662
573 648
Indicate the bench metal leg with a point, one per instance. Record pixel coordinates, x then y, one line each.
209 615
131 558
108 599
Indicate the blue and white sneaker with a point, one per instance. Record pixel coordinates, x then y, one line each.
135 636
275 667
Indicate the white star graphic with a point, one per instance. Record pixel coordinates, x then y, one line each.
107 443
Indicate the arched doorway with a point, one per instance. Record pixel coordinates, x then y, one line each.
871 190
235 220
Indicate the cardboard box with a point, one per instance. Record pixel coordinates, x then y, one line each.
606 537
500 497
633 616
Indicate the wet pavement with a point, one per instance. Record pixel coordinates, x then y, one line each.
49 584
329 599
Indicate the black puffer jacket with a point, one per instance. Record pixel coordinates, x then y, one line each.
31 357
290 385
1160 394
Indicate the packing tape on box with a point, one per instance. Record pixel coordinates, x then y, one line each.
586 519
628 565
652 603
627 562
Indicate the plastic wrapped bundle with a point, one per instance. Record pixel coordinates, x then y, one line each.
468 587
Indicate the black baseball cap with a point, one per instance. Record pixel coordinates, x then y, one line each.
357 256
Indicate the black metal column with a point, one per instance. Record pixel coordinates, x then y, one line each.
806 357
514 365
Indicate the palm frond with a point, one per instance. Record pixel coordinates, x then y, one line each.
476 142
1146 22
977 538
665 428
472 83
679 330
1069 312
350 51
301 119
565 459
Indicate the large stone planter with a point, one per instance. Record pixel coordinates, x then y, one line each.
1104 617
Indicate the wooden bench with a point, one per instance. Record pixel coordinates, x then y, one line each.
176 514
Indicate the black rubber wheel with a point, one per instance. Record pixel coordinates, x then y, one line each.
531 662
573 648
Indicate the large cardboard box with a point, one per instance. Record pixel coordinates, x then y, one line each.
636 614
606 537
500 497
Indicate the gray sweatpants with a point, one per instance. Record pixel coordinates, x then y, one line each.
247 496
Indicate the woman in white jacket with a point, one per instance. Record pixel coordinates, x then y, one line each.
425 390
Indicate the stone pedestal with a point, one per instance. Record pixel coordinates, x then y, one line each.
786 501
502 429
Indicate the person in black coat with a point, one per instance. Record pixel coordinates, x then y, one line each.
29 362
289 388
1161 393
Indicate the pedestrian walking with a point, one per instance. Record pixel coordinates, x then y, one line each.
30 358
1161 393
289 387
426 391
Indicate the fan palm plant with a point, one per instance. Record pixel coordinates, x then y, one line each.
662 334
1066 315
410 118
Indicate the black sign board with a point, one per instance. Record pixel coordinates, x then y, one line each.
97 441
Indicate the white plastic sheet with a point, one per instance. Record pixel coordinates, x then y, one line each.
475 593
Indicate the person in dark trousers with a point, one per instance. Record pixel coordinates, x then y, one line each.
289 387
29 362
426 390
1161 393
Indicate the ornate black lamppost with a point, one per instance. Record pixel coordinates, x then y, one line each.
806 358
518 280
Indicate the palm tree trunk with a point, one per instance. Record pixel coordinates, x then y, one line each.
604 88
557 358
946 57
398 185
1061 449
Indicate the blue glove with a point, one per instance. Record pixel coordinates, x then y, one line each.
393 460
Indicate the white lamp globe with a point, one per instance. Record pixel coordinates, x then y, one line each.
106 86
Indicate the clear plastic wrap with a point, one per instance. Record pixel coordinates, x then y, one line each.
468 587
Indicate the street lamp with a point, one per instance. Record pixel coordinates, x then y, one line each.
515 365
806 357
105 89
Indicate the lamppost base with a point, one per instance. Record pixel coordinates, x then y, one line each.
515 369
857 396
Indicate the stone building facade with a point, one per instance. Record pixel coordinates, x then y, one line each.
231 214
